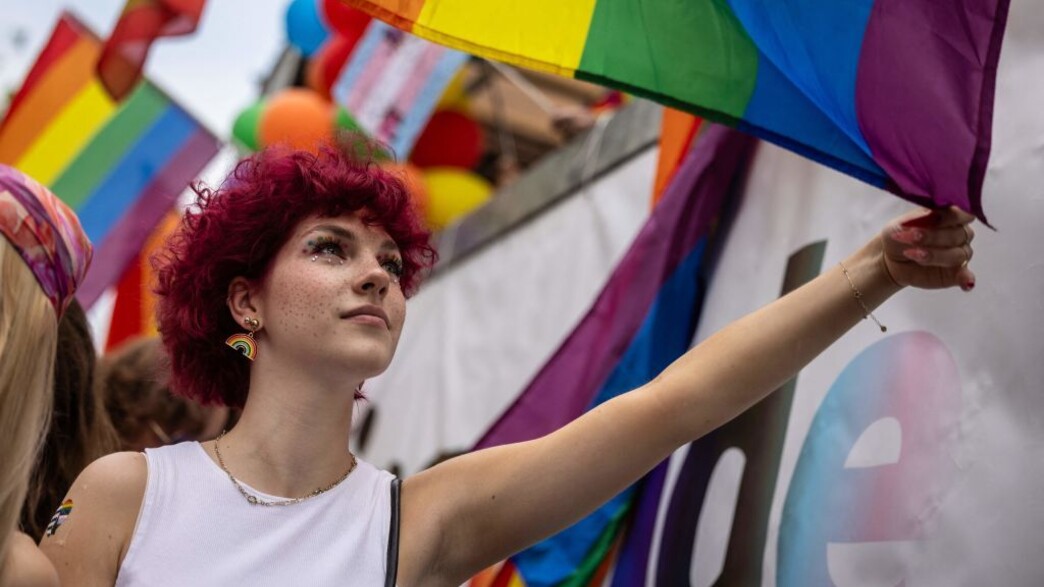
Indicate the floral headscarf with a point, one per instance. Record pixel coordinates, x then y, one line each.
46 234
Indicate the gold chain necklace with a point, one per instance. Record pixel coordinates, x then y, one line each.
255 500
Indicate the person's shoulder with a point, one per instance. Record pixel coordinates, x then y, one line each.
118 476
26 565
110 488
89 534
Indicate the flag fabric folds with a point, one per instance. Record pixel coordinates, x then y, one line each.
139 25
120 166
642 320
898 93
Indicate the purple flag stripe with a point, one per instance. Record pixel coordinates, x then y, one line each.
131 231
566 385
924 95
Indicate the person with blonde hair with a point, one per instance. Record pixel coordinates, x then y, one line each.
80 429
43 257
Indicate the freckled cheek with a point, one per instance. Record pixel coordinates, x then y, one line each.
306 309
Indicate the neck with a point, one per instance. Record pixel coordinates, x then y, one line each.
293 434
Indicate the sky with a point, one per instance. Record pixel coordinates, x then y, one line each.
213 74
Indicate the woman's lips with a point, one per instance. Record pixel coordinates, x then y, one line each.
367 319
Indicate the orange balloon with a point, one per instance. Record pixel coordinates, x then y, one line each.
414 179
296 117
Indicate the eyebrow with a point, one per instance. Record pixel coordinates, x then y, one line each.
387 245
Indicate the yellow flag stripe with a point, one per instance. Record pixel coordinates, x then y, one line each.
67 133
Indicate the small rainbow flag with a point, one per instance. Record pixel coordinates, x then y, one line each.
120 166
59 517
898 93
140 24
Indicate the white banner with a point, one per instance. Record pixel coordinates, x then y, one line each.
478 332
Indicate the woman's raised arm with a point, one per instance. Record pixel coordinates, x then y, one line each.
486 505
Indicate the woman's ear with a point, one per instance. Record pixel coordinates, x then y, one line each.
242 301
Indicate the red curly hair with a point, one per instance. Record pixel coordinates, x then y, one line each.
237 230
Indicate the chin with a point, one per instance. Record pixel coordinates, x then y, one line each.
367 360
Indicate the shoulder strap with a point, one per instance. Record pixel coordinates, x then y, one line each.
393 534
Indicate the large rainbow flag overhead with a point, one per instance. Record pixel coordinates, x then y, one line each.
898 93
120 166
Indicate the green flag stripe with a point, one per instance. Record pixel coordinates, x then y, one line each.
93 164
699 53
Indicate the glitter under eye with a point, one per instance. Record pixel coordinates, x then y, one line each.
325 247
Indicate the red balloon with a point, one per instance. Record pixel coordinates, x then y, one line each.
345 19
450 139
331 59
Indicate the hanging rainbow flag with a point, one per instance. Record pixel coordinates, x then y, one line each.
898 93
643 320
120 166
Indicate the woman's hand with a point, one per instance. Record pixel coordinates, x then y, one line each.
930 249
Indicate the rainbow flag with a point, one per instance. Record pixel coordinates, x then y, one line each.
898 93
677 131
139 25
643 319
120 166
134 312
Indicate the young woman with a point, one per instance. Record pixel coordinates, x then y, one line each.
43 257
315 256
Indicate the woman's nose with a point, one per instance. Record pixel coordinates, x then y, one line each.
373 278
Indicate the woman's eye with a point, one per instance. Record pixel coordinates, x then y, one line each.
326 246
393 266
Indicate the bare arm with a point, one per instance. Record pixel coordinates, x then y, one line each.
88 547
485 506
26 566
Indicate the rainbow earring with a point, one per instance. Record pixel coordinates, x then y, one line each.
245 343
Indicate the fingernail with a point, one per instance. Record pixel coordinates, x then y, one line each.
915 254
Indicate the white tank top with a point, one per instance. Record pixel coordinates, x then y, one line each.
195 528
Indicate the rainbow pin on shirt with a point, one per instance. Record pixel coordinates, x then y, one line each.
59 517
244 343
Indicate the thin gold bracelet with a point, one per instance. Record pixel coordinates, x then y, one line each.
859 298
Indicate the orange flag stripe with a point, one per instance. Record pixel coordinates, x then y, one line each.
58 86
676 133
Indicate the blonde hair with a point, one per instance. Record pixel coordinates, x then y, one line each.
28 341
